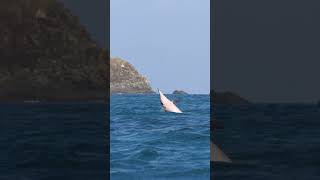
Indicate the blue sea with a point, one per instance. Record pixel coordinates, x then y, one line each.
53 141
269 141
68 140
148 143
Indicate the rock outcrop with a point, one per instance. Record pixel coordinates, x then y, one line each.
227 98
47 54
124 78
179 92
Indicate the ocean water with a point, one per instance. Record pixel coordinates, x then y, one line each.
269 141
148 143
52 141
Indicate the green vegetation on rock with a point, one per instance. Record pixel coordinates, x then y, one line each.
124 78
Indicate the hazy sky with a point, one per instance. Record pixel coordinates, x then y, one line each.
166 40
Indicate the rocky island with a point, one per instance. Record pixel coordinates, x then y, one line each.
124 78
179 92
47 54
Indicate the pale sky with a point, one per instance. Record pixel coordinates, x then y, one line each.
166 40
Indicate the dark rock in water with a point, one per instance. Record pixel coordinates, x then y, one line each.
179 92
46 54
124 78
227 98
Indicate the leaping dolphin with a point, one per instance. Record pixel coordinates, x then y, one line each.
168 105
217 155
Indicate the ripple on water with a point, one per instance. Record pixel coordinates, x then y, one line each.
147 143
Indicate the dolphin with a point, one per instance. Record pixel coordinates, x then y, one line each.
168 105
217 155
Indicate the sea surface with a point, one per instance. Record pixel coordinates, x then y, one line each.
148 143
269 141
52 141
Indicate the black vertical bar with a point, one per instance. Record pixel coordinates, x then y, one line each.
212 58
106 42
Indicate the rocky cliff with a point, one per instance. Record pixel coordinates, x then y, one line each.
124 78
47 54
